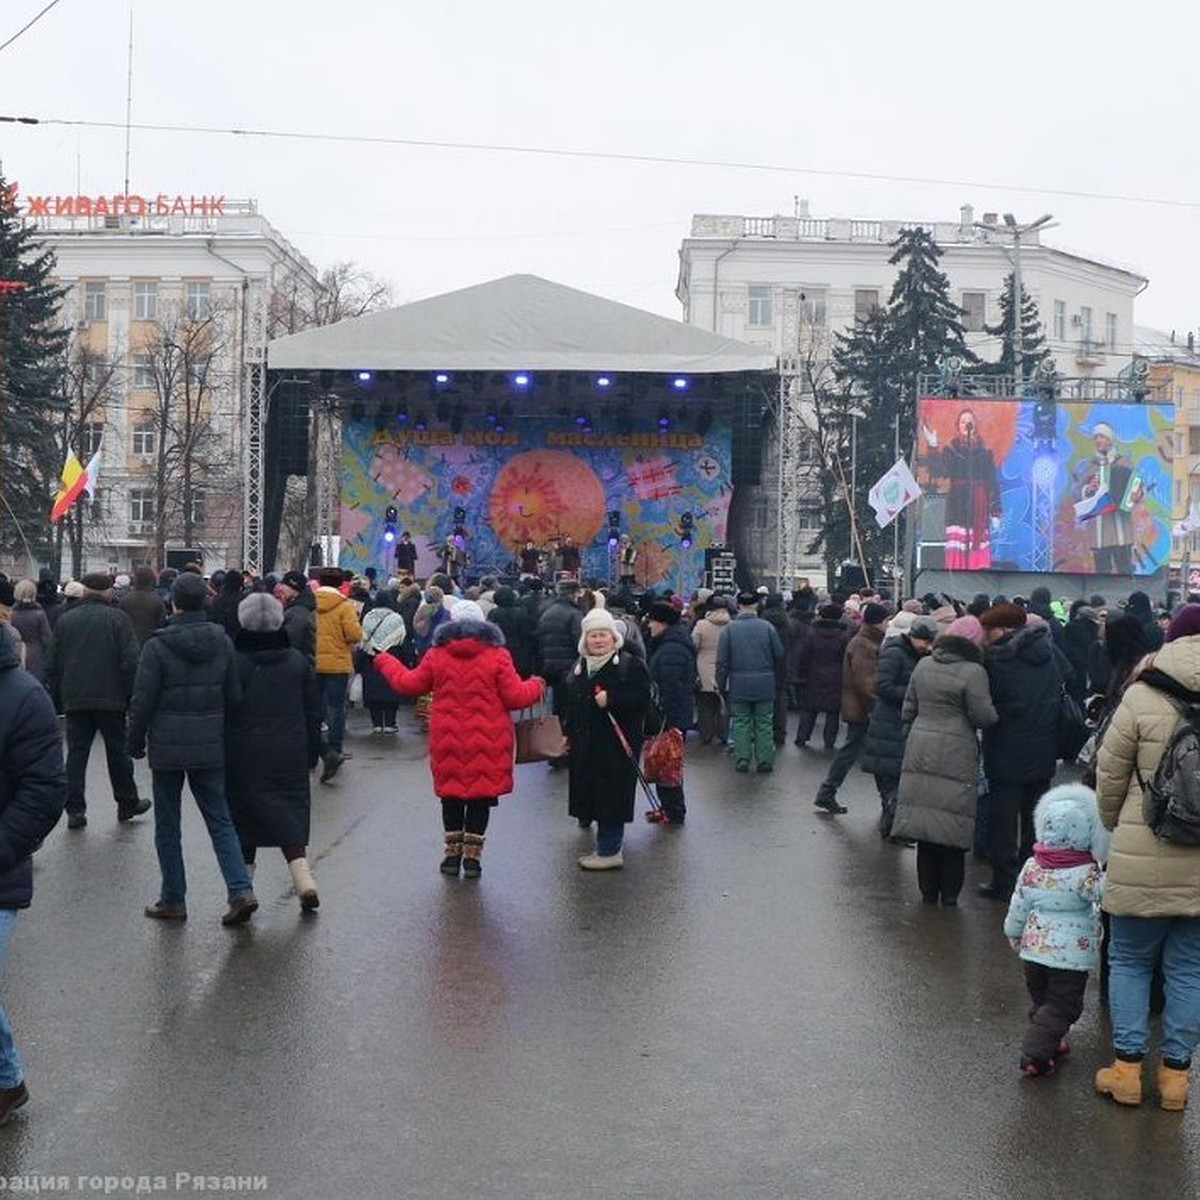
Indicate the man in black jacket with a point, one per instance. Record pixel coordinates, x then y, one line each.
558 632
89 670
299 614
32 794
186 680
672 664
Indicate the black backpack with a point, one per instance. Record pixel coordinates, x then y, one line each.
1171 798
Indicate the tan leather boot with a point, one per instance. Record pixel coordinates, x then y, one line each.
452 859
304 884
472 849
1122 1081
1172 1088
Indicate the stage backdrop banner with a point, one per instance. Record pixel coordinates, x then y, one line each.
1034 485
543 479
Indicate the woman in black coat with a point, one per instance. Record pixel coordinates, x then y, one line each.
820 666
606 684
908 638
272 742
519 627
673 668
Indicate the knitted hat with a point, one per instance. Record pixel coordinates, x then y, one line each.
97 581
122 581
599 618
1003 616
703 595
924 628
295 580
901 623
189 592
830 612
330 577
260 612
663 612
382 629
73 590
966 627
874 614
747 599
1185 623
466 610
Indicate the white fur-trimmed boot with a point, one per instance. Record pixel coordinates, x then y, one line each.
304 884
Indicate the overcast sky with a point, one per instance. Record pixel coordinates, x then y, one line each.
996 102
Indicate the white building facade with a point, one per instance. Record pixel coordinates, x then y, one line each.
789 284
143 275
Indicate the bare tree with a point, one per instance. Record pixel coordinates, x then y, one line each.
186 361
91 381
345 290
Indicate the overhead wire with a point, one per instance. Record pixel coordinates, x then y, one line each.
602 156
28 25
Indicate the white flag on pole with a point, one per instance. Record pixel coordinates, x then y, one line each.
893 493
92 471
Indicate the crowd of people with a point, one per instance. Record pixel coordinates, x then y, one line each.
239 686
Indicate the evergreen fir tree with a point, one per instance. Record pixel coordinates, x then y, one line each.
926 325
1033 340
32 353
870 388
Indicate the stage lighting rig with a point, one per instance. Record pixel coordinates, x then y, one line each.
614 528
390 517
687 525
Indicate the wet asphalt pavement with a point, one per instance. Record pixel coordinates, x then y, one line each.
757 1006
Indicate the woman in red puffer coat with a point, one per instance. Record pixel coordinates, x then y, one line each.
474 686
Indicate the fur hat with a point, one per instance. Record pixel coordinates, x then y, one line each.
97 581
1003 616
664 612
330 577
703 595
1066 818
599 618
189 592
1185 623
122 581
747 599
830 612
260 612
966 627
466 610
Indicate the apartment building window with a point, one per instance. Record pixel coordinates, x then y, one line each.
143 371
141 505
198 508
144 439
1085 323
96 508
1110 331
812 308
974 306
88 435
806 451
145 300
758 307
1193 439
1060 320
197 373
810 520
94 301
198 300
866 301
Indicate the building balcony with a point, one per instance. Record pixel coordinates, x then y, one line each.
1089 352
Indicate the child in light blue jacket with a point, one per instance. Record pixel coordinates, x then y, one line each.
1053 919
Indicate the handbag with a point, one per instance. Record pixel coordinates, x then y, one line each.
354 694
662 758
1072 728
540 739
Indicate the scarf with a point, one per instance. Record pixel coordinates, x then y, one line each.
597 662
382 629
1056 857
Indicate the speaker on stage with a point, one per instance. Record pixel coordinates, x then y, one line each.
745 466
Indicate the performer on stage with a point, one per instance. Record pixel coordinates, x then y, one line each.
626 560
406 555
568 556
454 557
530 560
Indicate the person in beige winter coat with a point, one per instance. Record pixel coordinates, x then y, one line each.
1152 891
712 714
948 699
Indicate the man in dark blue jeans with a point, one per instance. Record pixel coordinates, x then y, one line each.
186 680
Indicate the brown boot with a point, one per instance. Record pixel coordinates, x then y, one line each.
453 852
1122 1081
472 849
1172 1088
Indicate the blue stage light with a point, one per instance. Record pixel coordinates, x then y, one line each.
521 380
679 383
664 418
603 382
363 376
441 378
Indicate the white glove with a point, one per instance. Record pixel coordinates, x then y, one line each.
930 437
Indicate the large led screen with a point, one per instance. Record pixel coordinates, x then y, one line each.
1037 485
